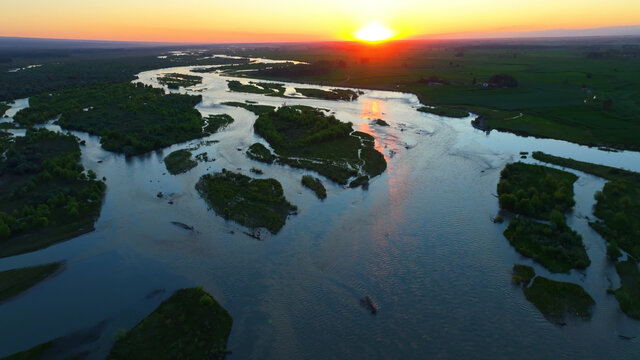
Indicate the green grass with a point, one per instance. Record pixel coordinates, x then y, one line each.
535 190
188 325
522 274
315 185
260 153
130 118
175 80
618 205
333 94
254 203
215 123
445 111
556 299
256 109
628 295
555 246
305 137
179 162
46 196
16 281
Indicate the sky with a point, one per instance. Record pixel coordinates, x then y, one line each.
301 20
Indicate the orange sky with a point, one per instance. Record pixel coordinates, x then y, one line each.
302 20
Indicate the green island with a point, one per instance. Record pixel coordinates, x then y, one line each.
254 203
333 94
535 190
618 204
3 108
175 80
315 185
259 152
305 137
130 118
254 108
522 274
628 295
188 325
380 122
179 162
46 196
554 246
16 281
556 300
271 89
445 111
215 123
583 92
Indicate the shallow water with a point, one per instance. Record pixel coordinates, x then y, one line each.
419 242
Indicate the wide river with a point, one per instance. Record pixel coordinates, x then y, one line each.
419 242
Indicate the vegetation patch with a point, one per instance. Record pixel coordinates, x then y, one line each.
272 89
445 111
556 299
555 246
179 161
333 94
175 80
522 274
254 203
380 122
130 118
254 108
618 204
260 153
214 123
3 108
188 325
535 190
628 295
315 184
46 196
16 281
304 137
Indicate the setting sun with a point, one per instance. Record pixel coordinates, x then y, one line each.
373 33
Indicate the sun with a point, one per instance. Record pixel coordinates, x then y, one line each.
374 32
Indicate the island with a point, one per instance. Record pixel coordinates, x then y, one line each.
175 80
446 111
315 185
179 161
254 203
188 325
332 94
16 281
215 123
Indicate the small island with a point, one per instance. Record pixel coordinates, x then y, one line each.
254 108
628 295
315 185
333 94
179 161
175 81
215 123
254 203
259 152
266 88
445 111
16 281
188 325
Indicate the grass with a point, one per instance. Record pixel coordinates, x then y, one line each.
188 325
556 299
333 94
555 246
254 203
179 162
522 274
215 123
305 137
445 111
618 205
315 185
175 80
254 108
535 190
130 118
628 295
16 281
260 153
46 196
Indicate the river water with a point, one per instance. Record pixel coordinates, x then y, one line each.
419 242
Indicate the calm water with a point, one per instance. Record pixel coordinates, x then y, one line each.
419 242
